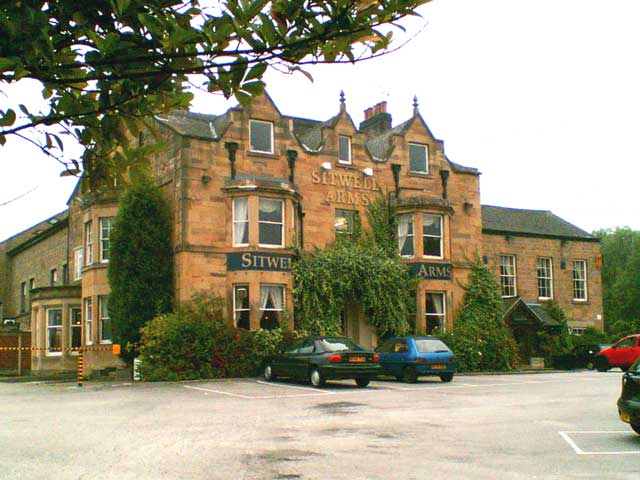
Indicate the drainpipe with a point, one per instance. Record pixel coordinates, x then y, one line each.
232 148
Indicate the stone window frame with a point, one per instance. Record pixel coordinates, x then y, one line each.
88 242
544 274
349 231
72 326
442 316
78 262
281 310
282 223
105 240
236 288
255 121
580 284
506 275
347 147
441 236
411 147
411 235
48 328
234 221
88 320
103 319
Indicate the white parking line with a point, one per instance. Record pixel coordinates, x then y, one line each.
282 385
579 451
210 390
262 397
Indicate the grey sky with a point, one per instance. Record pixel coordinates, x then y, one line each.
542 97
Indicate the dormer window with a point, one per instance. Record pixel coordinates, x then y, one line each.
418 158
261 136
344 150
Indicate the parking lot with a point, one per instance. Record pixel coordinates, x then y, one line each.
550 425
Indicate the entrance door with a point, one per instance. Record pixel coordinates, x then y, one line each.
356 326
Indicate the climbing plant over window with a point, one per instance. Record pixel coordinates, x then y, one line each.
363 269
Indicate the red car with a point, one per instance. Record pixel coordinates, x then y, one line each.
621 354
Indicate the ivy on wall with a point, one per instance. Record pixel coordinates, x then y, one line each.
363 267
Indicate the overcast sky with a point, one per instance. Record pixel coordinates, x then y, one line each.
542 97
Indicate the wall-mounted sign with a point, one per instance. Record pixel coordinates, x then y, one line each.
346 187
276 262
431 271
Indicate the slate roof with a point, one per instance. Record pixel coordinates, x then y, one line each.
199 125
534 309
34 234
309 133
539 223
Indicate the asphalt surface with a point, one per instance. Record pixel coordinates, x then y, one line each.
547 426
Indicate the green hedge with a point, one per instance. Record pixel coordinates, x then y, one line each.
195 342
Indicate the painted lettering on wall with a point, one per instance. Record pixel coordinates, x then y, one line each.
431 271
347 188
258 261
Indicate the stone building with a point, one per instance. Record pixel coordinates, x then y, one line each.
245 186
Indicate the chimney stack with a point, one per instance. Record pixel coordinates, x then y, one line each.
376 119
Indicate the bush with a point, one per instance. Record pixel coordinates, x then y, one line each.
194 342
480 339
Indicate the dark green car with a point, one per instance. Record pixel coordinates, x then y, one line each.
319 359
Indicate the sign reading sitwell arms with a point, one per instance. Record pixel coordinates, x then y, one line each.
431 271
258 261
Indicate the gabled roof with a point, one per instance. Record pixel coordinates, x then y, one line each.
537 223
535 310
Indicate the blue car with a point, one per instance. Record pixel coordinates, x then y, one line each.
408 358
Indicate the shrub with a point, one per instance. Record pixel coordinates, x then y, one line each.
195 342
480 339
141 264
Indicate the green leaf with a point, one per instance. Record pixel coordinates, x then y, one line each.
7 118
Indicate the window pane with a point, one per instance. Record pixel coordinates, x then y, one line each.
105 235
344 149
432 247
270 210
270 234
271 305
405 235
271 223
241 306
261 136
418 158
240 221
435 312
345 221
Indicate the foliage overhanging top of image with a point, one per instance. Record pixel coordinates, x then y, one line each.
107 65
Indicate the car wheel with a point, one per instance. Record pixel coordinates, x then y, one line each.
409 375
316 378
362 382
446 377
602 364
268 373
636 427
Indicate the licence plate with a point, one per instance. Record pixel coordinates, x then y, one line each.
438 366
625 417
357 359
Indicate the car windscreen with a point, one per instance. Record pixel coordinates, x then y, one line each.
338 345
635 368
431 345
